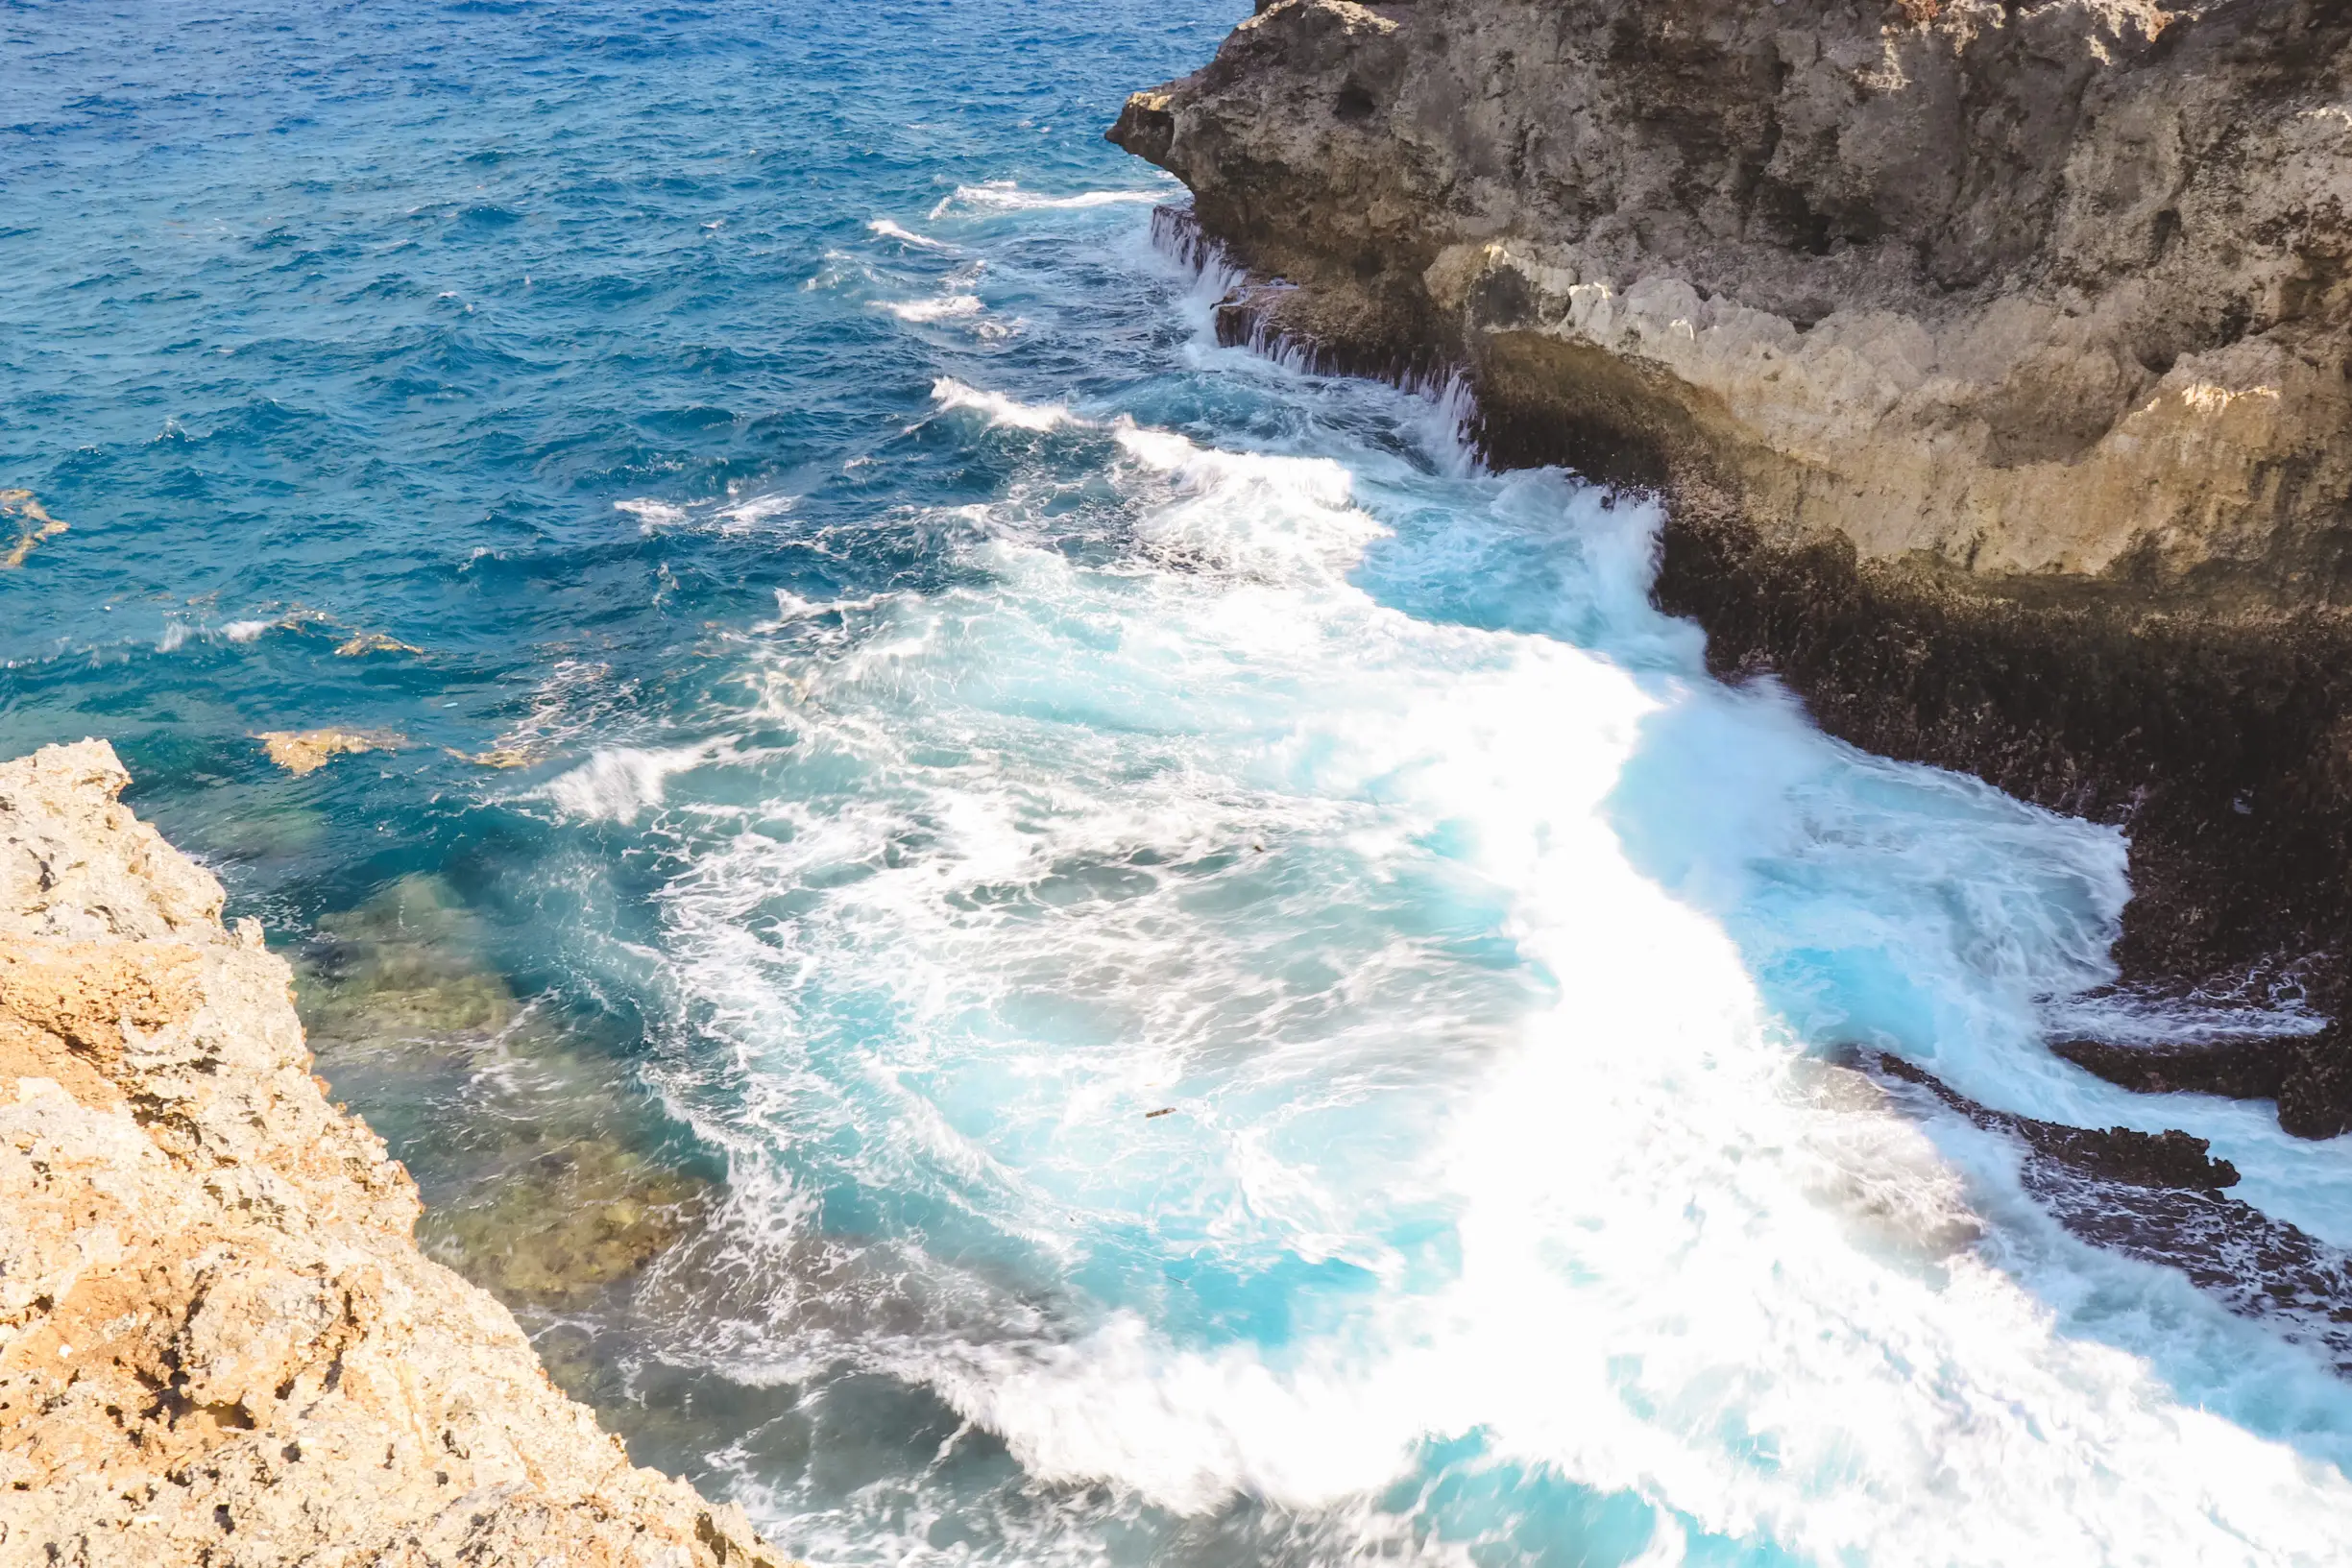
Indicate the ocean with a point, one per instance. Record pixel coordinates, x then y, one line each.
1023 939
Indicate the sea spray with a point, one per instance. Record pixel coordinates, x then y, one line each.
1552 1179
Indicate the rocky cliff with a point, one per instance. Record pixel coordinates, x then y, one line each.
218 1342
1994 357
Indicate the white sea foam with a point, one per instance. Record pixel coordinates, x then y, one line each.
619 782
840 267
1100 841
1247 512
576 700
887 230
998 409
245 630
651 515
759 509
790 607
939 307
1007 196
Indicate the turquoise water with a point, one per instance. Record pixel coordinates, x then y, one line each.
1239 996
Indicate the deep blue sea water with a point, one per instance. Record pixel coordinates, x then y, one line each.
1237 995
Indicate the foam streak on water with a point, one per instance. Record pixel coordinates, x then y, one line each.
1253 1002
1481 1137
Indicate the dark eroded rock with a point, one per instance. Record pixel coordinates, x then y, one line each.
2160 1197
2119 1155
2233 1068
2310 1076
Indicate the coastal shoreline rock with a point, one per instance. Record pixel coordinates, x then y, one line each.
2160 1198
219 1342
1993 360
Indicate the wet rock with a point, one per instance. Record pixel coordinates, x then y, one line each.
499 757
2159 1198
2310 1076
2316 1098
2233 1068
359 644
2171 1158
2120 1154
306 751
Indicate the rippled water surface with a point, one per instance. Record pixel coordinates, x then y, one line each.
1018 938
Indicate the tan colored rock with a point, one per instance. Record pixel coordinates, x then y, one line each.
359 644
218 1342
33 525
306 751
497 757
2026 288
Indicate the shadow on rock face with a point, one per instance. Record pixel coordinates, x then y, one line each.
550 1176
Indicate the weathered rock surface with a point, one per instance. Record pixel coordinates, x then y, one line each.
1994 357
218 1341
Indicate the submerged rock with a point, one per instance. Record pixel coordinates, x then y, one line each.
359 644
306 751
407 962
218 1342
33 526
556 1227
542 1160
1990 357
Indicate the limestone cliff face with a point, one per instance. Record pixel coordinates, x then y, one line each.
1994 357
2025 288
218 1342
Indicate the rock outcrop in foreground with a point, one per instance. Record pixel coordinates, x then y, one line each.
218 1343
1994 357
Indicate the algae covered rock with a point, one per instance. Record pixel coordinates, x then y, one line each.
554 1228
549 1169
407 961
